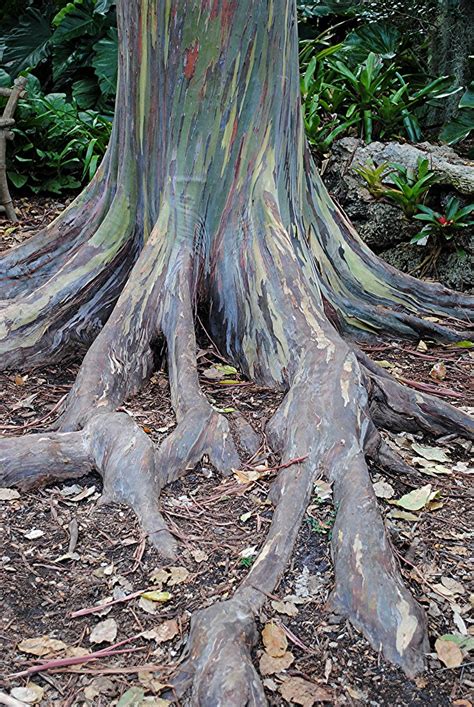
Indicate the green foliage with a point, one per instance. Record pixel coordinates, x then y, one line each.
412 186
461 127
345 92
323 527
73 49
373 177
410 13
313 8
27 43
412 189
57 146
443 225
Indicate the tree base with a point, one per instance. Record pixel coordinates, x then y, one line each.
270 310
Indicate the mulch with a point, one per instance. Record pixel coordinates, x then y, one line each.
61 551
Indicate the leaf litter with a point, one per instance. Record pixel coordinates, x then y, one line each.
213 576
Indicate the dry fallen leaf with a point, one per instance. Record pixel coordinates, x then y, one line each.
41 646
270 684
402 515
177 576
302 692
148 680
435 454
31 694
147 605
76 652
199 555
269 665
383 490
159 576
453 585
463 467
417 499
101 686
9 494
274 639
84 493
438 372
285 607
219 371
246 477
104 632
323 489
164 632
357 694
449 653
34 534
460 623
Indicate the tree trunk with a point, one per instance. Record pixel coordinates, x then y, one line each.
208 197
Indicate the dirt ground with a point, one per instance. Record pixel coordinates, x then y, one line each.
61 552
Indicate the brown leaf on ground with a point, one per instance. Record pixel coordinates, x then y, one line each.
302 692
269 665
164 632
449 653
104 632
41 646
285 607
274 639
177 575
32 694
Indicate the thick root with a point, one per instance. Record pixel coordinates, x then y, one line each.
203 431
112 444
399 408
369 589
217 667
30 264
71 306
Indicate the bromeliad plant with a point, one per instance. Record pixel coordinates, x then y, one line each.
407 187
373 177
412 185
443 226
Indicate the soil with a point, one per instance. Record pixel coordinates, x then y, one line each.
61 551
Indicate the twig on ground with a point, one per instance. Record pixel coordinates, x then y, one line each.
105 605
35 423
78 660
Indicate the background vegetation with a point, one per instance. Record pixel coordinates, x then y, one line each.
367 70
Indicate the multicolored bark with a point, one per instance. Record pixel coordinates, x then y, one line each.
208 197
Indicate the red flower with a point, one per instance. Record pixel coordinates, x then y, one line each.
442 220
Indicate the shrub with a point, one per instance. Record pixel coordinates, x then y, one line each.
72 50
347 88
57 146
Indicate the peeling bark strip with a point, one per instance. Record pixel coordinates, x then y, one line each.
208 197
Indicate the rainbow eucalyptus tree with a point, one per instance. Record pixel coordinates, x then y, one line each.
208 197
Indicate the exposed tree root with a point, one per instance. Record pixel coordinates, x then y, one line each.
217 668
336 398
112 444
